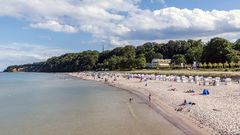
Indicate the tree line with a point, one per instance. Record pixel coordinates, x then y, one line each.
215 53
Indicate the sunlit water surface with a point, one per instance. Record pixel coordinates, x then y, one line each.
56 104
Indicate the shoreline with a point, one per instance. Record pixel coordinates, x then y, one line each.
184 125
181 122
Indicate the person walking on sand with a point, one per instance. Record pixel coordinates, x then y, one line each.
146 83
149 97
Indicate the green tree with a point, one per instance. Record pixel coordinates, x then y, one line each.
130 64
114 62
217 50
129 52
238 64
106 64
124 63
87 60
237 45
174 47
194 53
215 65
233 56
232 65
178 59
103 56
226 65
147 50
140 62
210 65
220 65
205 65
200 65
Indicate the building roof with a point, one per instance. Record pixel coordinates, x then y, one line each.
161 60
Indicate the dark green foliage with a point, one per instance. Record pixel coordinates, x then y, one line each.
66 63
103 56
178 59
150 51
140 62
194 51
237 45
217 50
233 56
174 47
210 55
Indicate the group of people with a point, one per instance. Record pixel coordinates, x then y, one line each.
184 105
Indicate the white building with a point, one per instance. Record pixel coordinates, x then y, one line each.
158 63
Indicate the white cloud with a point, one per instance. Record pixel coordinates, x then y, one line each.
117 42
17 53
122 21
231 36
55 26
173 23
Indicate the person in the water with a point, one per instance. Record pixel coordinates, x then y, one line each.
130 99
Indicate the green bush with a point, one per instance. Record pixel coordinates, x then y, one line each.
226 65
232 65
215 65
205 65
200 65
210 65
220 65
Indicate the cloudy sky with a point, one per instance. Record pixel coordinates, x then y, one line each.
34 30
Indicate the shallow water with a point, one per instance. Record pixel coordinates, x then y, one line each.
56 104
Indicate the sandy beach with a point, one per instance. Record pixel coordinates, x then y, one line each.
217 113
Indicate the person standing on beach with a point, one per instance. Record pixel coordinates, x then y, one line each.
146 82
149 97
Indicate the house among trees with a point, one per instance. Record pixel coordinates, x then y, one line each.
158 63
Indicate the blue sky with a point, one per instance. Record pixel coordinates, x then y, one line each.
34 30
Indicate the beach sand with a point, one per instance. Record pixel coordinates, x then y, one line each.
217 113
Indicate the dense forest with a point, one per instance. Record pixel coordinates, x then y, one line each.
218 52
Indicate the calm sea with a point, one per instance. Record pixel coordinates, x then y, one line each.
56 104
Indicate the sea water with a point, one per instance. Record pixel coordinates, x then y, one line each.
57 104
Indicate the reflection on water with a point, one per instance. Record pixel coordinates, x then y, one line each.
54 104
